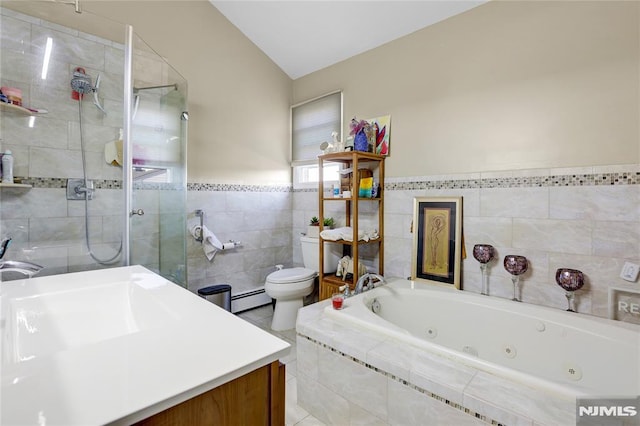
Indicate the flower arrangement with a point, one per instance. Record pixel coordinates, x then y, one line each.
357 126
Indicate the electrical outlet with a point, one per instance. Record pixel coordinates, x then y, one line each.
630 271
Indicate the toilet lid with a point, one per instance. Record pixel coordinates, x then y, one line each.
291 275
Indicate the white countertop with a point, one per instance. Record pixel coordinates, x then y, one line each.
116 346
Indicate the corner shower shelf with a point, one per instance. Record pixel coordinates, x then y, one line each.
18 110
18 187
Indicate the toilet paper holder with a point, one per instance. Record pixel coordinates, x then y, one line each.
199 238
200 213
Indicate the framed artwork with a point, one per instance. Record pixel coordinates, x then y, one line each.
437 240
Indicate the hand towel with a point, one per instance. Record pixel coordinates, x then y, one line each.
210 243
346 233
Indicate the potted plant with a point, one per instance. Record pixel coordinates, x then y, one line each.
313 230
328 222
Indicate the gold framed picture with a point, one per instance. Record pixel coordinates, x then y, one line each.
437 240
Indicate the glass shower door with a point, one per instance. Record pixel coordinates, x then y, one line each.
158 151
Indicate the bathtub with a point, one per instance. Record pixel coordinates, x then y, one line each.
543 348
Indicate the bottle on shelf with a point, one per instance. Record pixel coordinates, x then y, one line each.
7 167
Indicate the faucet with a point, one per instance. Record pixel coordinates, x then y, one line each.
27 268
369 277
3 246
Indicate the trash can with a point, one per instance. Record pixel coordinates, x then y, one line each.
219 294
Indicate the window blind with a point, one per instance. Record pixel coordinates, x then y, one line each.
312 123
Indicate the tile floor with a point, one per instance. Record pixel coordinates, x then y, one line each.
294 415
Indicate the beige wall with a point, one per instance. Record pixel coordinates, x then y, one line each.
508 85
238 98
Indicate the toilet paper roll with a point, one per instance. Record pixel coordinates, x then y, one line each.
196 231
228 246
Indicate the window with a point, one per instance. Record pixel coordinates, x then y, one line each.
312 123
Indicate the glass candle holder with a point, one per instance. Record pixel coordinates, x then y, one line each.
516 266
570 280
484 253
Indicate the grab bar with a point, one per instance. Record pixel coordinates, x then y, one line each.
200 214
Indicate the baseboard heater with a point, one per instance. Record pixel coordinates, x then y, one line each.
249 299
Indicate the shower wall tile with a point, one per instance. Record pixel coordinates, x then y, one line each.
20 158
46 132
114 117
95 136
112 227
114 60
37 204
16 69
16 34
58 230
17 229
111 86
68 46
104 202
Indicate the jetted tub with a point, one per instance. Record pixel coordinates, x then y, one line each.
541 347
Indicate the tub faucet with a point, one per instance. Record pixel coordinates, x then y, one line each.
26 268
3 246
370 283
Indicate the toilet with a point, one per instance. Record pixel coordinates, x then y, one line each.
289 286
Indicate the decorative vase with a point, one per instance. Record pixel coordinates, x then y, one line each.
313 231
360 141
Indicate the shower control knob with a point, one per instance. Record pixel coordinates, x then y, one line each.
138 212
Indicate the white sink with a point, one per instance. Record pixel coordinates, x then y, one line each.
116 346
75 315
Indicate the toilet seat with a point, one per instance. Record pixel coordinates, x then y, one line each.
291 275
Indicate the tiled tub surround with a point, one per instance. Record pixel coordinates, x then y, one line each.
584 218
351 375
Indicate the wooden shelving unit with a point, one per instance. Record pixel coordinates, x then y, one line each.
330 283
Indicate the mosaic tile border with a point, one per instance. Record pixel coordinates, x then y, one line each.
427 393
589 179
594 179
238 187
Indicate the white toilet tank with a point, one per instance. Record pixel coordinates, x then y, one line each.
310 255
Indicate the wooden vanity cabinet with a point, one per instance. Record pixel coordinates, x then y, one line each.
329 282
257 398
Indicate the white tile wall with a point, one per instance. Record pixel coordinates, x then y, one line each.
592 227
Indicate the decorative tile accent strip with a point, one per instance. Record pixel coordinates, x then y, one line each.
237 187
594 179
49 183
427 393
598 179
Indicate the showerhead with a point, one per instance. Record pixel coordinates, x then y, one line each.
81 82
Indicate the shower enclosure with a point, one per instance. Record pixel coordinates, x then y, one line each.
99 144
